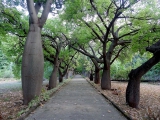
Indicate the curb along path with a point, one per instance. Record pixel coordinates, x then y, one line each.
78 100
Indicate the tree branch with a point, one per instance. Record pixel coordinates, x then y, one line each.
130 33
93 6
117 55
32 12
117 31
123 42
99 37
91 49
154 48
45 13
37 6
99 29
87 54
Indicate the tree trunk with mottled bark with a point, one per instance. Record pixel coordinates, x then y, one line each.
106 80
133 88
32 64
60 76
32 59
97 76
53 78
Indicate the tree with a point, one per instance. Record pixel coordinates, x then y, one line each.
32 63
65 63
133 88
93 57
53 49
104 27
32 60
13 26
55 45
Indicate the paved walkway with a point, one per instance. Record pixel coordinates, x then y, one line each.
77 101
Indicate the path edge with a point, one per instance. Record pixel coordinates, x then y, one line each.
23 116
114 104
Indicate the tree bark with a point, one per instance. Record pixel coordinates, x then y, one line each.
133 88
60 76
91 76
106 81
97 76
32 64
60 79
32 59
53 78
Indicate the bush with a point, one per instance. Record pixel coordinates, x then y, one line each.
6 74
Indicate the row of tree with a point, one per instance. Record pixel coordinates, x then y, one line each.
48 44
102 30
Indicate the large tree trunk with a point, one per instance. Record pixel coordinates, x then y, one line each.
53 78
105 80
60 79
60 76
133 88
32 64
97 76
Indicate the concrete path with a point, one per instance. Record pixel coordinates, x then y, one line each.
77 101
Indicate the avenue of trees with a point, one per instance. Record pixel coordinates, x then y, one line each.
101 39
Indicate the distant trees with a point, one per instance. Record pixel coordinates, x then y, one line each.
115 24
100 30
32 62
56 50
102 19
66 63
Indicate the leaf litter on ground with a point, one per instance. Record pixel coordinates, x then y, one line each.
149 106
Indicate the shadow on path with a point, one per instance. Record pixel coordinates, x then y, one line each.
77 101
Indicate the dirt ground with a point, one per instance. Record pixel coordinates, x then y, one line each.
11 100
149 108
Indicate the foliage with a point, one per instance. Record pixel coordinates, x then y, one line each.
14 22
153 73
12 54
47 70
120 69
5 66
149 29
82 64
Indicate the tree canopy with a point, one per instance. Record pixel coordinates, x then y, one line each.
113 35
